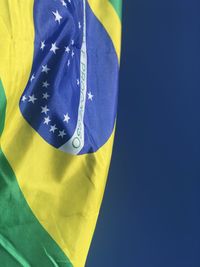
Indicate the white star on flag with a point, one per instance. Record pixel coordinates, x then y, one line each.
44 109
62 133
24 98
66 118
67 49
63 3
32 77
54 48
45 95
32 99
45 68
90 96
47 120
45 84
53 128
42 45
58 17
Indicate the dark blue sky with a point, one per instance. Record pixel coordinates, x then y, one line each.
150 215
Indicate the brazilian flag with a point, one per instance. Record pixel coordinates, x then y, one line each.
59 64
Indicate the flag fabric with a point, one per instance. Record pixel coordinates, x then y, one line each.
59 64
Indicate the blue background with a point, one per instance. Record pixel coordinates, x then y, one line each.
150 215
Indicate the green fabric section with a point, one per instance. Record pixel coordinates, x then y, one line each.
23 240
117 4
2 107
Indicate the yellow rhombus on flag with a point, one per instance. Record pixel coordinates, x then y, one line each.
59 63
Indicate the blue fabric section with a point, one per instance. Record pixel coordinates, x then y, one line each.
51 98
102 82
63 92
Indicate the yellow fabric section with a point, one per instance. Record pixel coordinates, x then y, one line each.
105 12
63 191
